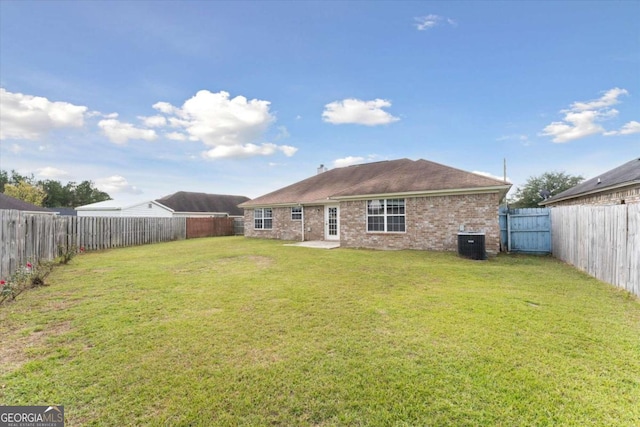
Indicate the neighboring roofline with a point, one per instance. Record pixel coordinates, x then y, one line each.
119 208
110 208
35 212
450 192
589 193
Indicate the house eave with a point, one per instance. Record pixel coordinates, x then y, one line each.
448 192
274 205
590 193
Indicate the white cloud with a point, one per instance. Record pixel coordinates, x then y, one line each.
523 139
248 150
215 119
347 161
51 172
30 117
628 129
120 132
490 175
607 100
176 136
430 21
230 127
283 132
153 121
165 107
116 184
288 150
582 119
369 113
354 160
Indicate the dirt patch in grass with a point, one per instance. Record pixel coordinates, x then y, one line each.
16 352
258 260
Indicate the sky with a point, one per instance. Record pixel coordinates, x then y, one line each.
147 98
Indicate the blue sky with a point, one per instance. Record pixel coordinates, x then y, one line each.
149 98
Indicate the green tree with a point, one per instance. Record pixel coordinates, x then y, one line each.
85 193
4 180
57 195
536 187
14 178
27 192
70 195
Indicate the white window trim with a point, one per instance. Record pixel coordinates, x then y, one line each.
385 215
259 214
300 213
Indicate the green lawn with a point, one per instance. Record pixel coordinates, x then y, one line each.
234 331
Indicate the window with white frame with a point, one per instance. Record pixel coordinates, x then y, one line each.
262 218
296 213
386 215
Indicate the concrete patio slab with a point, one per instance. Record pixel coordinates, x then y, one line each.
318 244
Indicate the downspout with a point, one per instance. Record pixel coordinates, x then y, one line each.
302 213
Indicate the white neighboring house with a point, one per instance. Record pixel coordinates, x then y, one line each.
113 208
176 205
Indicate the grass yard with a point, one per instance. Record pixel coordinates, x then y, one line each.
234 331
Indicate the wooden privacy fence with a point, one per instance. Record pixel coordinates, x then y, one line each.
526 230
34 237
209 227
603 241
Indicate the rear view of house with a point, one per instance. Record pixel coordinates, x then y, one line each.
397 204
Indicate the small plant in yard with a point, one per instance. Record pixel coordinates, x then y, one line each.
25 278
66 254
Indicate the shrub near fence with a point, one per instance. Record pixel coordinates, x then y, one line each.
34 237
603 241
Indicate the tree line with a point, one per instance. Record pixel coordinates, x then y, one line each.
539 188
49 193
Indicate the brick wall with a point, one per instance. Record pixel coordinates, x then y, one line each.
284 228
615 197
432 223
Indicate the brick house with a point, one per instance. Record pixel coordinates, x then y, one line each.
396 204
620 185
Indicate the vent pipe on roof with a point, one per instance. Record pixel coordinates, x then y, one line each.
321 169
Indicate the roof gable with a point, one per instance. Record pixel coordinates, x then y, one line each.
626 174
378 178
184 201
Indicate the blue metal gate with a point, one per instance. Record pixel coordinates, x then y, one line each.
525 230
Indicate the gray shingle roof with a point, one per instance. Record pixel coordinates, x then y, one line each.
184 201
8 202
386 177
626 174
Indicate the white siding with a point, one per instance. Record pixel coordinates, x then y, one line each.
144 209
